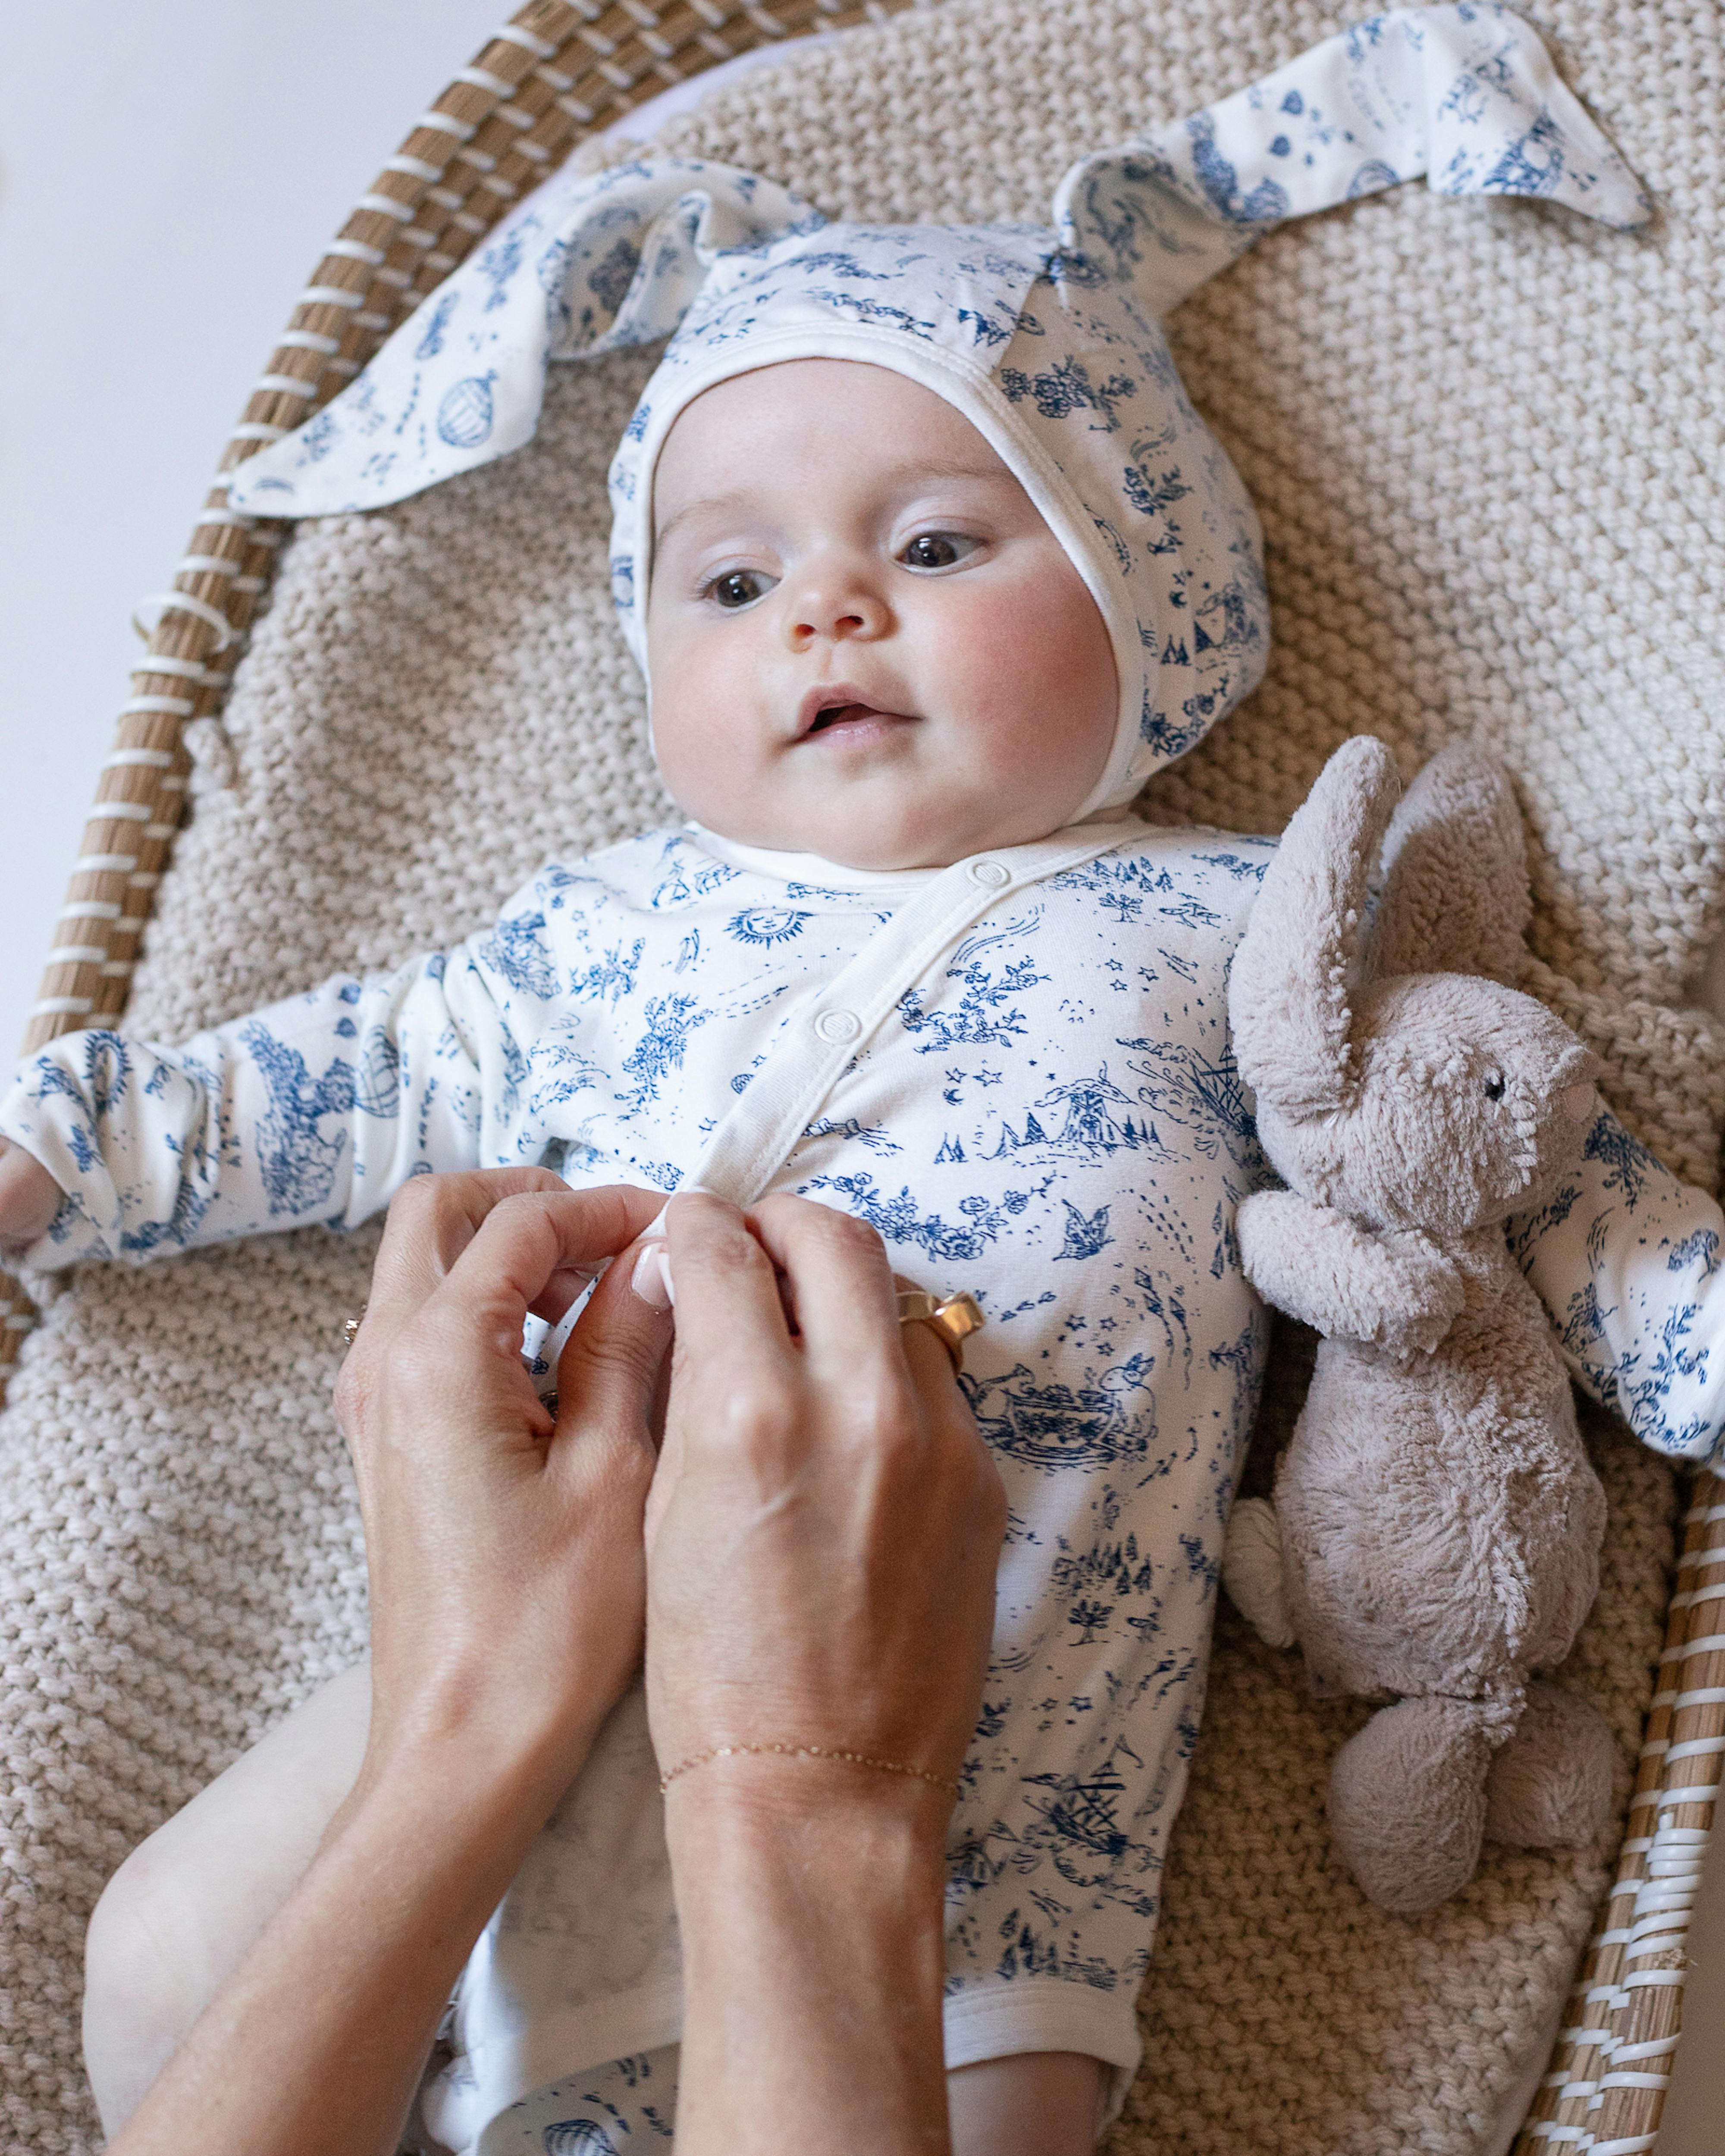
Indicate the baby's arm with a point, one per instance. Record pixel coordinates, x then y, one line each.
315 1109
1631 1263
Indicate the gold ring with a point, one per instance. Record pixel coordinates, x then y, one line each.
349 1328
951 1317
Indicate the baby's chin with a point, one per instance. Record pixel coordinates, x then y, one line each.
878 844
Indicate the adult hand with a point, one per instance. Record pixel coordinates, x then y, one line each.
507 1585
825 1523
505 1551
822 1539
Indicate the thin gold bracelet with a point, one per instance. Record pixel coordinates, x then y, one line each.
808 1752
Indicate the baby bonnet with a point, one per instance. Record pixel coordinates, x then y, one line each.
1048 340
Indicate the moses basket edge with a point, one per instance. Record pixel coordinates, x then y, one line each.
552 77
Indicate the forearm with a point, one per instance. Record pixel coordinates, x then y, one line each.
314 1109
814 1962
317 2041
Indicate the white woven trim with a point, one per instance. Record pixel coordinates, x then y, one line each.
1694 1793
255 430
387 206
1653 1979
123 812
283 385
153 759
1637 2144
1691 1596
1694 1748
512 34
311 341
330 295
104 864
62 1007
77 954
445 123
355 250
187 670
184 603
178 707
412 168
478 78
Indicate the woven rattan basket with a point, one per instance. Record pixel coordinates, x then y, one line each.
555 74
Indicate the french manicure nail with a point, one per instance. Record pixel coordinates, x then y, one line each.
651 1278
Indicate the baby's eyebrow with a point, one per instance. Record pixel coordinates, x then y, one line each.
911 476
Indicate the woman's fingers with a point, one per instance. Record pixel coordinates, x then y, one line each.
434 1220
841 1285
610 1373
728 1309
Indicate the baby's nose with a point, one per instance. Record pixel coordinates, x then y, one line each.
1577 1102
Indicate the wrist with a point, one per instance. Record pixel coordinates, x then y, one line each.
810 1900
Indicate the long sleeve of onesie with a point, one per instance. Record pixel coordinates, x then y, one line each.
314 1109
1628 1261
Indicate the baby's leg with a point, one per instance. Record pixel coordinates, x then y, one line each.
177 1918
1035 2103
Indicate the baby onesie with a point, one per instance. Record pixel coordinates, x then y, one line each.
1018 1070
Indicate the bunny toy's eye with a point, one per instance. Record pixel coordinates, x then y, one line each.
1493 1087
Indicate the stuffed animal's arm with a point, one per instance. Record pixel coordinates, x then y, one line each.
1631 1263
315 1109
1396 1292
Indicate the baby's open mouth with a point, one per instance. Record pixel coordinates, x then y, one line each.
841 712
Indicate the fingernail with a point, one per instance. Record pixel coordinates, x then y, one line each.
651 1279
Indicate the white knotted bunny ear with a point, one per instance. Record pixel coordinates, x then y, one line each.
608 258
1464 95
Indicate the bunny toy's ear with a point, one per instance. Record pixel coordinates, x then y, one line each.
1466 95
1288 992
600 261
1454 897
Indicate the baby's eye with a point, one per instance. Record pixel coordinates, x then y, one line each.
739 587
937 550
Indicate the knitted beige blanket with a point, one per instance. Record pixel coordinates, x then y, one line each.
1481 439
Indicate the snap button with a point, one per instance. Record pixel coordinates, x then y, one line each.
837 1026
990 874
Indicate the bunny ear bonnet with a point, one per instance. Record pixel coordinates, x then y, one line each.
1049 341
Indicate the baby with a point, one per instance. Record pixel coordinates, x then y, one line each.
930 564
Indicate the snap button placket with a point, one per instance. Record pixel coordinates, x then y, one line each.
838 1026
992 876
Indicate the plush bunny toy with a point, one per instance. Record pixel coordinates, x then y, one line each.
1436 1526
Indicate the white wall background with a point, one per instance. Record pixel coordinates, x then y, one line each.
167 179
168 175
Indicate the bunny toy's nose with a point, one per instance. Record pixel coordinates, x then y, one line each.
1577 1102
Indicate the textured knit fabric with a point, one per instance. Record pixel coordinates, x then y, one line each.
1491 507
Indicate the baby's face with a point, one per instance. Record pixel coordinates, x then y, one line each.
864 642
